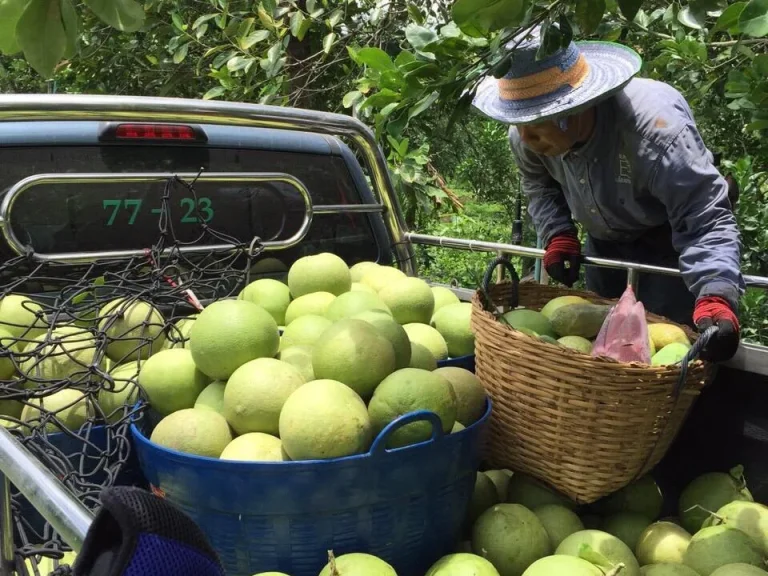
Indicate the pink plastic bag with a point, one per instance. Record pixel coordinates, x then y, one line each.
624 334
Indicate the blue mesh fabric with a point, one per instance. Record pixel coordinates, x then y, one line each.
158 556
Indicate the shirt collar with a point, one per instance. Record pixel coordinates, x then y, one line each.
588 150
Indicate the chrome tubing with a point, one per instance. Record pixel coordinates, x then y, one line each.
73 107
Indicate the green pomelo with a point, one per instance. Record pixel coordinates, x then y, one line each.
642 497
212 397
739 569
357 271
269 266
422 357
134 328
229 333
511 537
457 427
749 517
717 546
562 566
443 297
410 300
664 334
470 395
178 333
22 317
603 543
708 493
381 277
271 574
193 431
324 419
315 304
256 392
300 357
408 390
525 318
667 570
453 323
69 352
576 343
358 287
500 479
392 331
172 381
559 522
428 337
483 497
70 407
532 494
9 342
662 543
125 393
254 447
12 408
462 564
350 303
324 272
671 354
627 527
304 331
557 303
358 564
272 295
355 353
579 319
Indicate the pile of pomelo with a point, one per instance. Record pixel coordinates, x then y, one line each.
574 322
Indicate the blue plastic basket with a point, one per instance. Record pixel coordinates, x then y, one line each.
466 362
405 505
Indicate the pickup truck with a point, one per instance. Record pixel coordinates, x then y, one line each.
83 178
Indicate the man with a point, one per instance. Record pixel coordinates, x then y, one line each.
623 157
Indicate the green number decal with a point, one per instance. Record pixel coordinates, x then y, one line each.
204 205
188 218
135 205
115 204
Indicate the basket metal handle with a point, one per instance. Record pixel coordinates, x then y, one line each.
692 354
379 446
495 263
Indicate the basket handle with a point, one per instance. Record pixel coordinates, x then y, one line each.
379 446
691 355
495 263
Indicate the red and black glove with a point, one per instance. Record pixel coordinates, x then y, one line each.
716 311
562 258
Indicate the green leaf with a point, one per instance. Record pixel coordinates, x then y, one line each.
589 14
328 42
239 63
757 125
423 104
254 38
125 15
404 58
760 65
629 8
71 21
181 53
551 41
380 99
41 35
202 20
415 13
297 19
392 79
335 18
376 59
10 12
214 93
692 18
351 98
753 20
480 17
177 21
729 18
418 36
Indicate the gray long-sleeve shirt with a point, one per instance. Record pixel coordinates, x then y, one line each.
644 165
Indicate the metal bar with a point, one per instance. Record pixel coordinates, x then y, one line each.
633 278
7 547
55 107
349 209
480 246
66 514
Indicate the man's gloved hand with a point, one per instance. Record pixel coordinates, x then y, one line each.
716 311
562 258
138 534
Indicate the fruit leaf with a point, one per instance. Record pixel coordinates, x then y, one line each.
753 20
589 14
479 17
71 21
629 8
729 18
692 18
586 552
423 104
376 59
10 12
40 33
418 36
125 15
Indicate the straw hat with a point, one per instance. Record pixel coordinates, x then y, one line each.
570 80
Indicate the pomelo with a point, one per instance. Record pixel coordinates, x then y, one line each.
443 297
134 329
272 295
408 390
354 352
315 304
500 479
270 267
305 330
716 546
532 493
562 566
229 333
69 352
12 345
381 277
124 393
410 300
212 397
662 543
672 353
531 319
663 334
357 271
739 569
627 527
350 303
613 549
453 323
559 522
22 317
471 398
300 357
178 332
171 380
392 331
422 357
358 287
68 406
256 392
667 570
254 447
324 419
484 496
577 343
457 427
358 564
708 493
550 307
749 517
462 564
642 496
324 272
428 337
193 431
511 537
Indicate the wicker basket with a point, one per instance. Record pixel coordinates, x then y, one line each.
585 426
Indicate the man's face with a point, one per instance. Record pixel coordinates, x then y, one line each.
546 138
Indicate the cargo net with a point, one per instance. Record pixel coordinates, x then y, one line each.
72 338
